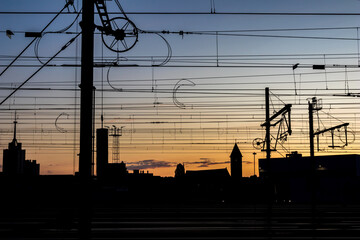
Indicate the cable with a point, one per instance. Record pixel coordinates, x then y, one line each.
108 81
37 42
255 35
176 102
120 8
202 13
169 50
8 66
32 75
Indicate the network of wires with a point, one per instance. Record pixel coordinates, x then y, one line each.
186 102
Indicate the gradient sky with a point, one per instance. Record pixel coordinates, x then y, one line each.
218 105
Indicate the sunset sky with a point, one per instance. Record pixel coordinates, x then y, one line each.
188 94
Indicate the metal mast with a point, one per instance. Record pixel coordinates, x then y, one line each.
311 127
267 124
86 86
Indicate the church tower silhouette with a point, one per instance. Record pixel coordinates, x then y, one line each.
236 162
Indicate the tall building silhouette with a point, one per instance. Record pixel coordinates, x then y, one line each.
104 169
236 162
102 154
14 162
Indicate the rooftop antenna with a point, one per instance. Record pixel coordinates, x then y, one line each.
15 122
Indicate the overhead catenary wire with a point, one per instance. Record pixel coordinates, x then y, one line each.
214 97
198 13
121 8
52 20
38 39
32 75
240 59
234 30
251 35
231 65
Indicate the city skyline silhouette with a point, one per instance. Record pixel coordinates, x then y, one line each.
179 119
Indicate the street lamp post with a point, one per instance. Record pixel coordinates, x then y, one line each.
254 153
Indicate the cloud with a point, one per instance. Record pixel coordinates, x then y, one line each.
149 164
206 162
152 164
248 162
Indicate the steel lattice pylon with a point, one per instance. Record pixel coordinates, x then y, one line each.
117 132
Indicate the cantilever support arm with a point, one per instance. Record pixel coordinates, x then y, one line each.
332 128
284 109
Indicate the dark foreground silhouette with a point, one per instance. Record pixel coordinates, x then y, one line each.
64 207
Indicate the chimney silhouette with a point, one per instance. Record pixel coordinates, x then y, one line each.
101 151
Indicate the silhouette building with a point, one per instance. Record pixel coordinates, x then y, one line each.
111 171
236 162
116 170
14 162
104 169
210 175
295 178
102 154
180 171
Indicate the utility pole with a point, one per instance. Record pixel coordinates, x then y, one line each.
312 174
86 117
316 105
267 124
86 86
311 128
